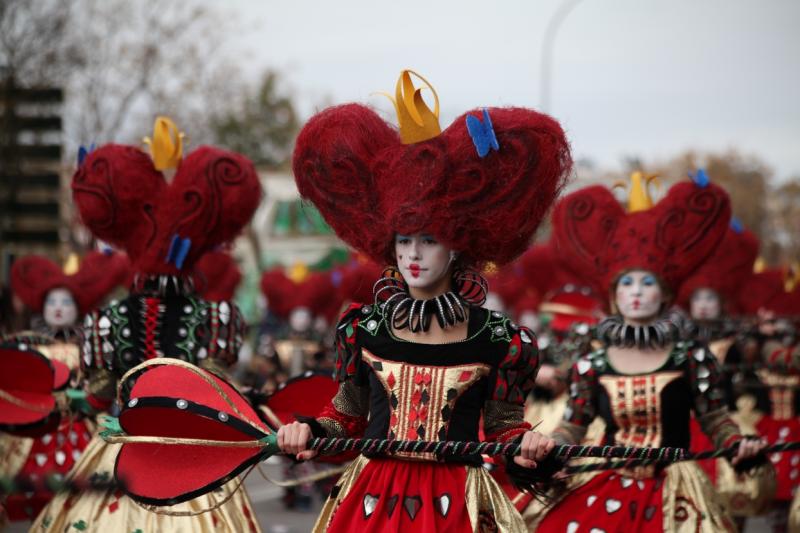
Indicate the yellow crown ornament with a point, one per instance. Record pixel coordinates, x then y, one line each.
791 277
415 119
166 146
298 272
639 198
72 264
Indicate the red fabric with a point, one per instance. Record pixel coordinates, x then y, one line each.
599 240
98 404
217 276
725 270
422 482
354 426
151 314
316 293
125 201
28 376
541 267
509 433
302 396
766 290
787 465
358 278
701 443
52 453
33 276
610 502
369 186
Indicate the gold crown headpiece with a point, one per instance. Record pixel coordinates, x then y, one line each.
639 198
791 277
166 146
415 119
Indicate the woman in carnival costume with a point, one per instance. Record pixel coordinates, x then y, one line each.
124 198
646 381
710 297
773 296
425 361
52 448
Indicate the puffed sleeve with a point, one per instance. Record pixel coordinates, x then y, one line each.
97 360
503 415
705 378
346 415
581 407
227 330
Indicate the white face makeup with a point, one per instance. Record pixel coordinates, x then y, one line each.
60 309
639 296
422 260
300 319
705 305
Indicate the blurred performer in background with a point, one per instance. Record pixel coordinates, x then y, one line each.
646 380
772 298
61 300
165 227
710 297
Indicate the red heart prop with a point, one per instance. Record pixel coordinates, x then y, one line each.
26 382
304 395
175 401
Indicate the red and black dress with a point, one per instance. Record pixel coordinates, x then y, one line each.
164 319
396 389
648 409
782 424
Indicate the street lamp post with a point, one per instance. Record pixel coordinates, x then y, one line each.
550 32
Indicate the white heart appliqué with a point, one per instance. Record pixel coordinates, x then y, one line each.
590 500
572 527
612 505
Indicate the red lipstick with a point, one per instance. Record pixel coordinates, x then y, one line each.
415 269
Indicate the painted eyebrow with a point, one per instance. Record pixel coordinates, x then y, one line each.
398 236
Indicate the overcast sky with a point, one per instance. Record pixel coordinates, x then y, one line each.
631 77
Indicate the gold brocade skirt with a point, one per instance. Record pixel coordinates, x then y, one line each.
395 495
680 499
794 514
111 511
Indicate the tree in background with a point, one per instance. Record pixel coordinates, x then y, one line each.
263 127
784 222
121 63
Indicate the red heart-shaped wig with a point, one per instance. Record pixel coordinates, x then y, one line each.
725 270
600 241
369 186
125 201
33 276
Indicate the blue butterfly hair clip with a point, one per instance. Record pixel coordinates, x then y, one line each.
700 178
736 225
178 249
83 152
482 133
